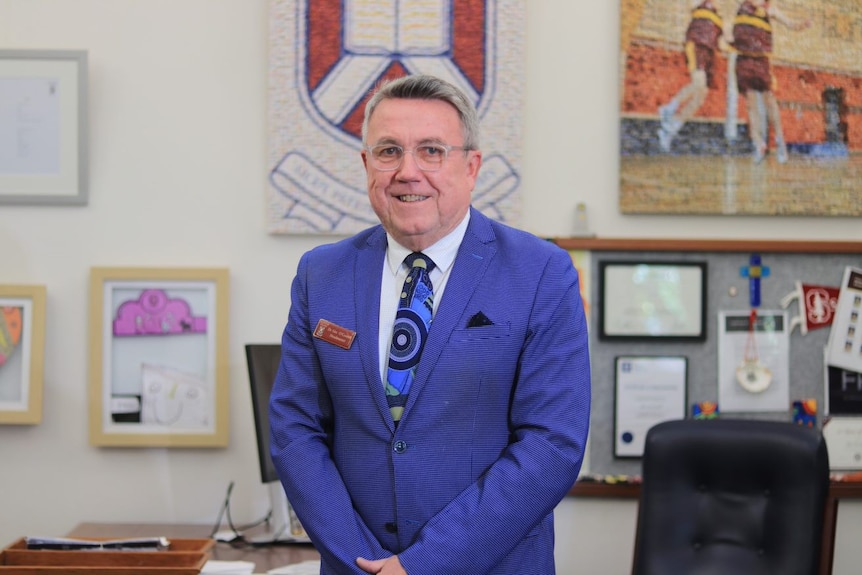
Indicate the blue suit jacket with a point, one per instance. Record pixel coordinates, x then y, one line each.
493 433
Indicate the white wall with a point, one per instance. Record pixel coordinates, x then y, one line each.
178 173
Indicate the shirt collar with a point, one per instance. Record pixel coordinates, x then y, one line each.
442 252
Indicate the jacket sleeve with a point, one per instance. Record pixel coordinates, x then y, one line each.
300 416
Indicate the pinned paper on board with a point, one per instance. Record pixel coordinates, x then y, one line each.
649 390
843 390
843 437
844 349
769 389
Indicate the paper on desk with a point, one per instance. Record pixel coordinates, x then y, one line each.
214 567
129 544
310 567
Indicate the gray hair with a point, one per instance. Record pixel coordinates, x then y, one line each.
423 87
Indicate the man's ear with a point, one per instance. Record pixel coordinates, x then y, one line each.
474 164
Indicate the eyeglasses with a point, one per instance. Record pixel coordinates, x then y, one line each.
428 157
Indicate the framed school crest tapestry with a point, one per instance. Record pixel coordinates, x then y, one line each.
325 59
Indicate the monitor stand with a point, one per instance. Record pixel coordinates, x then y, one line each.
283 526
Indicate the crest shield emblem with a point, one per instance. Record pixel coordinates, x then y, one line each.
321 80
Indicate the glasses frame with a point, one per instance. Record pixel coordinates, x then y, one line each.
404 151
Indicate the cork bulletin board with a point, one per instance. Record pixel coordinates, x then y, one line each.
789 263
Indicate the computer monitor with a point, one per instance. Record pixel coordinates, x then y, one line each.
263 360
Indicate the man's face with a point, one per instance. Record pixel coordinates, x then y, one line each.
419 207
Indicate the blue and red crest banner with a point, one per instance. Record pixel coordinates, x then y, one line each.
326 57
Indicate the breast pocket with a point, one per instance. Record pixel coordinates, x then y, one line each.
477 334
479 356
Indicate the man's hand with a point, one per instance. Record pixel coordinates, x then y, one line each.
388 566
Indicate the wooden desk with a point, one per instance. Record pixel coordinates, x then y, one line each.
269 557
837 490
264 557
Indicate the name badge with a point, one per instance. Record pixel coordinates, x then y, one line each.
334 334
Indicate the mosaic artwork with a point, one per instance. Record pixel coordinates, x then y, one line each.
325 58
741 107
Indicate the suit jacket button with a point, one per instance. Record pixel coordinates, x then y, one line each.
391 527
399 446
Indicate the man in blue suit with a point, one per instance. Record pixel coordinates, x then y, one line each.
464 476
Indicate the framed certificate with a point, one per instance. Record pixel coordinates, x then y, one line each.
649 390
649 300
43 127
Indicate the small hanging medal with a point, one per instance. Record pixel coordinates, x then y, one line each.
752 375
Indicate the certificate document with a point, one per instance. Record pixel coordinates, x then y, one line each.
843 437
649 390
30 117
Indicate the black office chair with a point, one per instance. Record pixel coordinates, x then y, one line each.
726 496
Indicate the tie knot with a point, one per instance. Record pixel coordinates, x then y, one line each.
420 260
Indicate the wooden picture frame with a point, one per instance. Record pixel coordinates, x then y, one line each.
22 353
44 114
652 300
159 357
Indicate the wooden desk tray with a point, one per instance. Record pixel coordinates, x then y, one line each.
184 557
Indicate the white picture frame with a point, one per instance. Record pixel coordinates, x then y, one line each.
648 390
43 127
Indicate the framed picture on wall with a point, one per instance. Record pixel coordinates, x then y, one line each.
648 390
709 136
324 62
159 357
22 351
652 300
43 127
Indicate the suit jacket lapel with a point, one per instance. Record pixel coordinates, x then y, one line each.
367 272
471 263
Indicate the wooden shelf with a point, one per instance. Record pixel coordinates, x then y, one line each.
690 245
609 490
837 490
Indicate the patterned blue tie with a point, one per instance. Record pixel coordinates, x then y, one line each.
411 329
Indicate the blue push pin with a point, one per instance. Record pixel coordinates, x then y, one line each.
754 271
